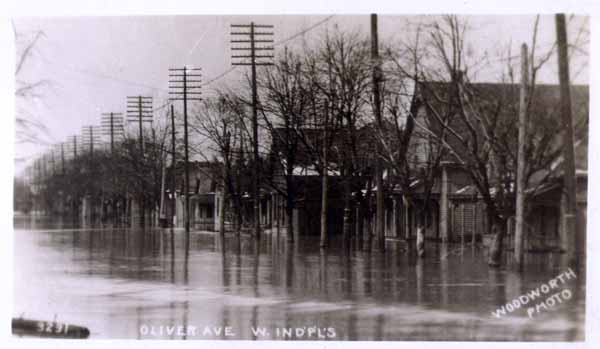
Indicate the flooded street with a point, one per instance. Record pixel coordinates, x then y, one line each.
133 284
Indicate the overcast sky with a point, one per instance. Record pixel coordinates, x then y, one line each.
93 63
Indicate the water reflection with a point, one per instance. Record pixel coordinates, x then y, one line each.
115 281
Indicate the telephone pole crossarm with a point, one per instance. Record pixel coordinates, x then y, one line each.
112 126
140 110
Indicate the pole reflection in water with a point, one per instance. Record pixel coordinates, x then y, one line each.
225 270
419 279
185 318
172 318
323 267
379 325
172 246
496 283
351 331
115 280
289 268
255 283
138 312
444 273
367 273
186 260
347 275
238 260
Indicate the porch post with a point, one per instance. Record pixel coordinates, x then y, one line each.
260 212
444 206
408 221
395 217
563 228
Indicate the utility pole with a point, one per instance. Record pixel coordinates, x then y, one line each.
91 130
324 185
520 204
90 137
44 167
59 147
62 157
112 125
139 109
42 161
325 166
379 224
53 166
185 83
253 37
73 141
58 151
570 189
173 166
37 187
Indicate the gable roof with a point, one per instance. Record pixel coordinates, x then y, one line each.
501 99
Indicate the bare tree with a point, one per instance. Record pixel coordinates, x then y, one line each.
346 60
218 120
284 104
321 127
29 128
475 124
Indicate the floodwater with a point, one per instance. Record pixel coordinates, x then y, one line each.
126 284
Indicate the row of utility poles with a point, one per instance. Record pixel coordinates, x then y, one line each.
185 85
111 126
90 137
252 45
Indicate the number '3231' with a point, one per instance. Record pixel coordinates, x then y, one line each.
49 327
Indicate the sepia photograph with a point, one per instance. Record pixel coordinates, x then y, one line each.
334 177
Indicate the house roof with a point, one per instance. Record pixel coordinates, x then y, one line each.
308 140
204 175
503 100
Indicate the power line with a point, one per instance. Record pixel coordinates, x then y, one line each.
166 104
102 76
304 31
133 83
